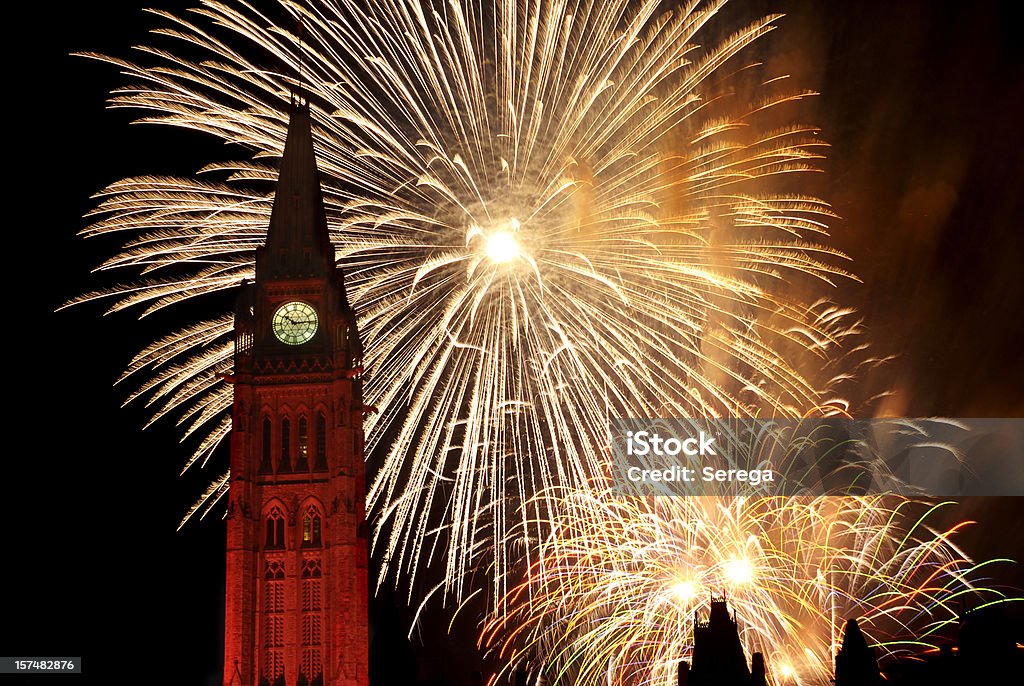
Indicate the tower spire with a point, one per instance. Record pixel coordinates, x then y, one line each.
856 664
298 241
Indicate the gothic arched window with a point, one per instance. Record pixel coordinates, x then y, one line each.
285 465
302 460
311 528
275 529
320 462
266 465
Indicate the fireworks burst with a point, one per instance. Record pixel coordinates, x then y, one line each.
549 213
612 597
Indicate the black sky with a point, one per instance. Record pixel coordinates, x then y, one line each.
922 102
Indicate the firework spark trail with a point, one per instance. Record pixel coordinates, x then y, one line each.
549 213
611 599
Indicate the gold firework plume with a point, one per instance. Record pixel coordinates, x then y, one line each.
549 213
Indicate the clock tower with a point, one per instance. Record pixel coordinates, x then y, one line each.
296 590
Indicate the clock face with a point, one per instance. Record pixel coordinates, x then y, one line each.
295 323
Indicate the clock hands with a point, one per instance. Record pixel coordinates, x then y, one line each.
296 322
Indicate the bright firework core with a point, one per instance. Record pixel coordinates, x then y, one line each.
499 242
502 247
684 591
740 571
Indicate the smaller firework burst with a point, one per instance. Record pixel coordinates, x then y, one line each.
613 596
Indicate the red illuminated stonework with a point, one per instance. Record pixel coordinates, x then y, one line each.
296 599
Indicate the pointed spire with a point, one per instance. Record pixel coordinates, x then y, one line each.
298 242
856 664
853 637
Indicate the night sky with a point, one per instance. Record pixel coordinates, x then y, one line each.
922 102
